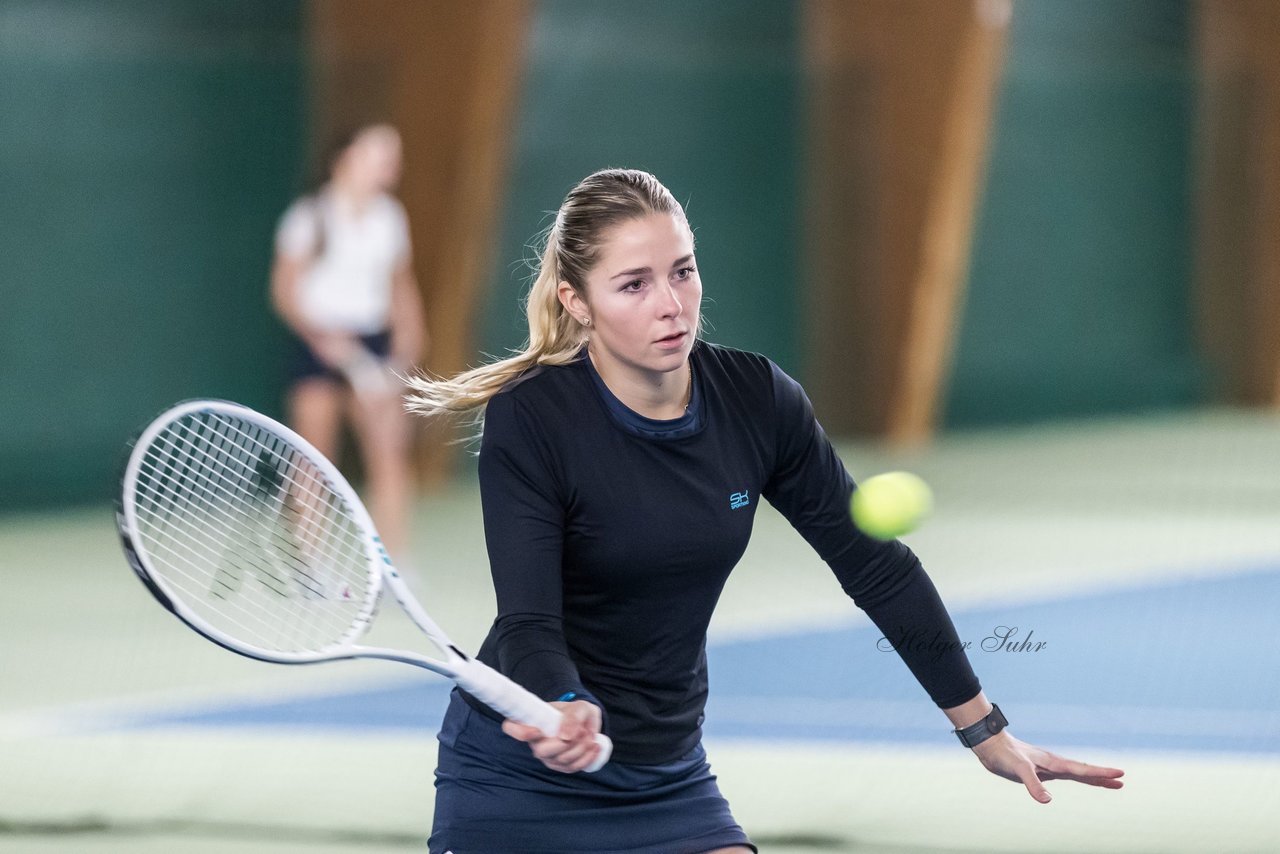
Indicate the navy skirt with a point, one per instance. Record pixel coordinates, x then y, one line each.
304 364
494 797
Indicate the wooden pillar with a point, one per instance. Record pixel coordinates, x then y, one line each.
1238 197
902 94
447 74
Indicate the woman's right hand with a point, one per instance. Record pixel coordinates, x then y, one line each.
572 749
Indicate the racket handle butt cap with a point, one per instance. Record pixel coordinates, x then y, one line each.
606 750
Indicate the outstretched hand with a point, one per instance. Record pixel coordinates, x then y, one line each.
572 749
1007 757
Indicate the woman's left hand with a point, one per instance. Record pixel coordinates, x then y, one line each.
1007 757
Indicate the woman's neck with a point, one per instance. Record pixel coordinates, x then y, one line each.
354 198
662 396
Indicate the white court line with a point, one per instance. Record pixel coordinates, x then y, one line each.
119 712
1063 589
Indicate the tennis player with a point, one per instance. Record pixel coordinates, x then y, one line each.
621 463
343 283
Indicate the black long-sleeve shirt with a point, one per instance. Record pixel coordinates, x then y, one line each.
610 537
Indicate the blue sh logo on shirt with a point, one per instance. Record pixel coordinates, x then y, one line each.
738 500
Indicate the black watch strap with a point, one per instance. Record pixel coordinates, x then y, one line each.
975 734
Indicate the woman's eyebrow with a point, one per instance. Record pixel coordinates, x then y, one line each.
638 271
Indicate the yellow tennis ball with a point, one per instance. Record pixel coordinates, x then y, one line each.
891 504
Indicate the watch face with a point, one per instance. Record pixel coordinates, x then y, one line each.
979 732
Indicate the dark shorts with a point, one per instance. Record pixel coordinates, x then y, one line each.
493 797
304 364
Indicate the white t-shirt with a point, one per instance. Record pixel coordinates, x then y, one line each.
348 287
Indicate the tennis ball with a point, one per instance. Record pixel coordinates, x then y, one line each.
891 504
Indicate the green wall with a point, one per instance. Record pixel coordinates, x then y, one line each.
704 95
146 150
1079 300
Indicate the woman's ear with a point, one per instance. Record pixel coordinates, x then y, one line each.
573 303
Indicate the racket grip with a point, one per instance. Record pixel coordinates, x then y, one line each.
501 694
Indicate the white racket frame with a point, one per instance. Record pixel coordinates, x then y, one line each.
475 677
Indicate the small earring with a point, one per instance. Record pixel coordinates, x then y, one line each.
586 321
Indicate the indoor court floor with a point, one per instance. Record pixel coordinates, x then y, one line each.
1117 580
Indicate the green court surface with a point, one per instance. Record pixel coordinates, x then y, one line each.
1023 516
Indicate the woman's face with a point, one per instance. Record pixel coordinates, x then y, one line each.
644 295
372 161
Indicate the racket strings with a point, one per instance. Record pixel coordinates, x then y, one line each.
229 527
251 535
272 531
223 523
218 523
280 537
212 502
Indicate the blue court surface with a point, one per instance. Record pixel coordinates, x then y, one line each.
1189 665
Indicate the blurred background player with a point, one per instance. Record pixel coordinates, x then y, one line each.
343 282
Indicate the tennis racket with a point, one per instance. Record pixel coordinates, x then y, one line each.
246 533
368 376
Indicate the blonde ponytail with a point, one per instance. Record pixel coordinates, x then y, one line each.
553 340
572 246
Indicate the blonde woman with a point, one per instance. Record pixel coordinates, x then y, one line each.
620 467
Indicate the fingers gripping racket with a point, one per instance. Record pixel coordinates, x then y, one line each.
246 533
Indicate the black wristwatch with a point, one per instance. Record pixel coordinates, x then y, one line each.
975 734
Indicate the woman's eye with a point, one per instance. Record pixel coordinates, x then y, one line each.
633 286
685 272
